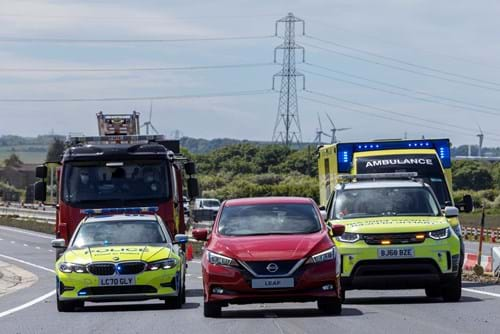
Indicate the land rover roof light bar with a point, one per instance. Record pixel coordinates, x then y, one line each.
378 176
345 151
118 124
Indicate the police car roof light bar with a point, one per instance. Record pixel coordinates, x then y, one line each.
110 211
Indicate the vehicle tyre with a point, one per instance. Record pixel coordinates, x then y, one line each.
212 310
68 306
452 292
342 296
331 306
433 292
174 302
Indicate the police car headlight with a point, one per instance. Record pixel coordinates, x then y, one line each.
163 264
67 268
440 234
327 255
218 259
349 237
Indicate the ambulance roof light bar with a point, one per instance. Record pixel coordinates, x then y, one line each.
345 151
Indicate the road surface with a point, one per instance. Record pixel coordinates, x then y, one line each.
33 310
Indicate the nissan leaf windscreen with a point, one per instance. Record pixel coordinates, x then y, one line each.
267 219
376 202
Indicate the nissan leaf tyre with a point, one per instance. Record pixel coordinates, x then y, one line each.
120 258
396 236
272 250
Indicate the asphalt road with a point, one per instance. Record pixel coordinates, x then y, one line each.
364 311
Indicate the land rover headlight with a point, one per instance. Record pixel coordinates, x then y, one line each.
349 237
458 230
440 234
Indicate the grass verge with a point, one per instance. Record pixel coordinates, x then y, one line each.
474 220
27 224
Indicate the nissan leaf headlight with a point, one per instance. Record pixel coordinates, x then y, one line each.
218 259
67 268
440 234
327 255
349 237
162 264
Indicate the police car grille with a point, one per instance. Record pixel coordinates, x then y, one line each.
101 269
394 238
130 268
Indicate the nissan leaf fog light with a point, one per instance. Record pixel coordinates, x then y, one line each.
440 234
67 268
218 259
349 237
164 264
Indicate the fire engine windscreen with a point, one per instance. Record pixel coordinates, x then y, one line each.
390 201
104 184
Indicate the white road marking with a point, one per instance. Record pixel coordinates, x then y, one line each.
28 304
27 263
25 245
482 292
39 235
31 302
37 247
199 277
50 250
194 261
1 239
12 242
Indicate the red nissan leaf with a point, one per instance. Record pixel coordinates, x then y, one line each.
270 250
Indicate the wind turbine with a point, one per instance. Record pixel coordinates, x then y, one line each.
148 124
334 130
481 138
320 132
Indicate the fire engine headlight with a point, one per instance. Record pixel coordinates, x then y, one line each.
349 237
218 259
163 264
67 268
440 234
327 255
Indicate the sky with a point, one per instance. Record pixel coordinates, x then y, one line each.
384 69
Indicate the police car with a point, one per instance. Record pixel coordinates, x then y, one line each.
120 257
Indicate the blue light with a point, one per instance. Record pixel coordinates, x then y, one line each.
82 293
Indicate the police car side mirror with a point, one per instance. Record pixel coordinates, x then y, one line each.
450 212
181 239
58 243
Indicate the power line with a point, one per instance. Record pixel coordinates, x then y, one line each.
404 62
399 68
453 126
381 116
407 47
401 94
138 69
168 97
401 87
138 18
120 41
